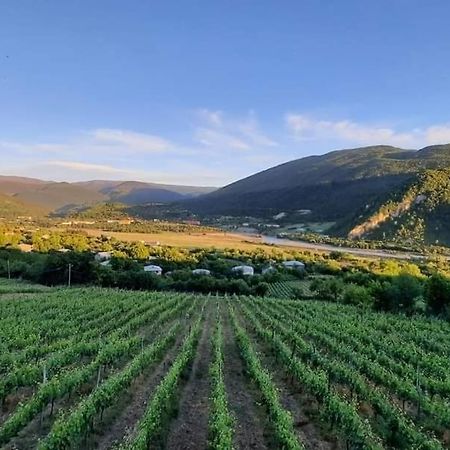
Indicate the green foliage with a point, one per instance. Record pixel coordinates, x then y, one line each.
438 295
399 295
221 421
357 295
328 288
281 418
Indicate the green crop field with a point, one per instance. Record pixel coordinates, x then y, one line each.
286 289
22 287
97 368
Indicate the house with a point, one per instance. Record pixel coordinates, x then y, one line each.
201 272
151 268
269 269
296 265
103 256
244 270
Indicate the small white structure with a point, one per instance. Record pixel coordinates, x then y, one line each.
105 263
103 256
151 268
243 270
296 265
201 272
269 269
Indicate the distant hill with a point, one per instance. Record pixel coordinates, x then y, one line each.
137 192
12 185
10 208
341 186
57 197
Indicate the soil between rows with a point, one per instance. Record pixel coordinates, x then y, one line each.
189 430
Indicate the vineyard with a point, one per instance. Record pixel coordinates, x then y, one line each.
287 289
108 369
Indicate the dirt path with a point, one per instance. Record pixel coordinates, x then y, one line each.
249 427
303 407
120 420
189 430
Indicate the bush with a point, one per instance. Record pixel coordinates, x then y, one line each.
357 295
328 288
437 294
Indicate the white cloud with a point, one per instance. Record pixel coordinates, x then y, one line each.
438 134
220 148
220 132
139 142
306 128
220 140
211 117
83 167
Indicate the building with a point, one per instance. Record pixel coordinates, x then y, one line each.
151 268
244 270
103 256
269 269
296 265
201 272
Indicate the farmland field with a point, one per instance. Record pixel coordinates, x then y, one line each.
286 289
96 368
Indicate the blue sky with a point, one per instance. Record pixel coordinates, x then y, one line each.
207 92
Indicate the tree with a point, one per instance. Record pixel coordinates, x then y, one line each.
357 295
437 294
401 294
328 288
139 250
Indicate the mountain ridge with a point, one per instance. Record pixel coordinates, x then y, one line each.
60 196
341 186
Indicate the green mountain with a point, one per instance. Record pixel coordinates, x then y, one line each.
346 187
420 211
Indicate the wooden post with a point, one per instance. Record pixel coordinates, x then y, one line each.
69 280
99 374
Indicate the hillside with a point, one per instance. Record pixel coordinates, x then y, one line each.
137 192
58 195
419 212
330 185
51 196
11 207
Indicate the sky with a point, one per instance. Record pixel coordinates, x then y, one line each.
207 92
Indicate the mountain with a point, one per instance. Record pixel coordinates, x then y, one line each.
59 197
10 185
418 212
137 192
343 186
11 207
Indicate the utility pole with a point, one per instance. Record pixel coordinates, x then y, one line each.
70 275
9 269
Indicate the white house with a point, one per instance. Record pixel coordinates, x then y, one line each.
103 256
269 269
243 270
201 272
151 268
296 265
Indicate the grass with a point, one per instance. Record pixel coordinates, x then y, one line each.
20 287
189 240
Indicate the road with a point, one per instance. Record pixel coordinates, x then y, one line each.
330 248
